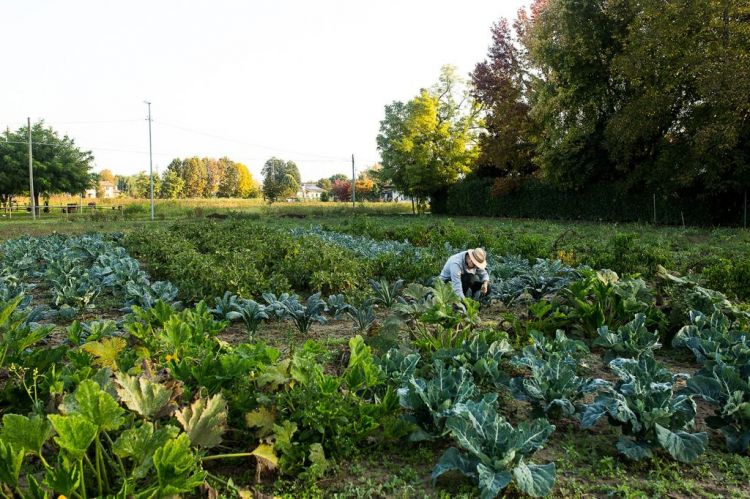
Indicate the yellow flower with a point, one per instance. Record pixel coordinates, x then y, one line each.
171 357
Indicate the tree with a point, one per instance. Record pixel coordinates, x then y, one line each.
342 190
501 87
139 185
195 176
247 187
281 179
428 143
215 171
325 184
106 175
59 165
172 185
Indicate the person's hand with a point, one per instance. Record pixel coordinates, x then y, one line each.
485 287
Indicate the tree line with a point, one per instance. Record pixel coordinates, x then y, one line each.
641 95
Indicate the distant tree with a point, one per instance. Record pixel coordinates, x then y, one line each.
247 187
215 171
195 176
338 176
172 185
106 176
281 179
325 184
59 165
428 143
342 190
139 185
501 87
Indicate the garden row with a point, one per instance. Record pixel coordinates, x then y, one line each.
149 404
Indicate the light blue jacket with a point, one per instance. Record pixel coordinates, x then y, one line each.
455 267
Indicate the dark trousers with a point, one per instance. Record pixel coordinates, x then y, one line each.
470 283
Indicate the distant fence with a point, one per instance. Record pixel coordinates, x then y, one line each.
595 202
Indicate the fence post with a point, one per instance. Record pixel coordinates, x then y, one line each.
654 209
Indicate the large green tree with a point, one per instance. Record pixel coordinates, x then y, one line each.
281 179
428 143
59 165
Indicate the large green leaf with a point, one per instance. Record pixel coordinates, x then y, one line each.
535 480
147 398
531 435
204 421
63 478
140 443
98 406
74 433
634 450
177 468
684 447
491 482
26 433
11 460
453 459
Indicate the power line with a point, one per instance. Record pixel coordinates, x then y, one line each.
244 142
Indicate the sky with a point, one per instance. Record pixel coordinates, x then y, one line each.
305 81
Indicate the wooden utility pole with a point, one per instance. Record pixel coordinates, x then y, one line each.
31 173
354 195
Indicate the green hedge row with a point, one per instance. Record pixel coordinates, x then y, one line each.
596 202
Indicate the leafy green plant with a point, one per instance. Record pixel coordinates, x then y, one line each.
430 402
303 316
716 338
643 405
363 316
495 452
630 340
480 357
729 392
603 299
251 313
226 304
385 293
552 387
337 305
16 334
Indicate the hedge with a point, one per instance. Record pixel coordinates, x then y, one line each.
596 202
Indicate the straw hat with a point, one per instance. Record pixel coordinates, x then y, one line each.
478 257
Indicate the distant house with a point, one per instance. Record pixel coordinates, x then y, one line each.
388 193
309 192
106 187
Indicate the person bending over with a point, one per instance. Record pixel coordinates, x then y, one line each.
467 271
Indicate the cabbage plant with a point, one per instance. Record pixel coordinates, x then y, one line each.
642 404
494 452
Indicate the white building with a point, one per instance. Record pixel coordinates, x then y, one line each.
309 192
388 193
108 189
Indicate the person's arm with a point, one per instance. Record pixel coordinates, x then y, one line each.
456 280
485 277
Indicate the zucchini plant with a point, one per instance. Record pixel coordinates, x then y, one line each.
642 404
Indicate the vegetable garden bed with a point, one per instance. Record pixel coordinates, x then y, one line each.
296 363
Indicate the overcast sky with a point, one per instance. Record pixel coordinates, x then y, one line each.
301 80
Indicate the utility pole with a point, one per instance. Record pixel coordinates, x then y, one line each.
31 173
150 160
354 194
